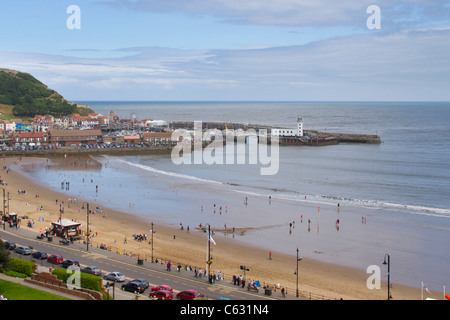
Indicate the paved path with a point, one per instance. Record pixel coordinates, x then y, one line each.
157 273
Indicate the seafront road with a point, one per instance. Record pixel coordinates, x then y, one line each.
108 261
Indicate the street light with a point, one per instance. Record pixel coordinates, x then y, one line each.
152 242
389 274
298 260
87 228
61 211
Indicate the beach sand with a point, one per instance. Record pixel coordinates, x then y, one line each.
317 280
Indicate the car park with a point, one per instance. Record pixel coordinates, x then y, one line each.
92 270
133 286
161 295
39 255
162 287
189 295
114 276
55 258
24 250
69 262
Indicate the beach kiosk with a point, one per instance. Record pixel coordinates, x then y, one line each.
12 219
67 229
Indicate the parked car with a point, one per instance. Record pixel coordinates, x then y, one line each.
133 286
10 245
55 258
39 255
161 295
189 295
162 287
143 281
92 270
23 250
69 262
114 276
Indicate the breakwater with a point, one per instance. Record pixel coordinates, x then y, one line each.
310 137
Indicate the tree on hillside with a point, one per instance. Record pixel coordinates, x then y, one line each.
29 97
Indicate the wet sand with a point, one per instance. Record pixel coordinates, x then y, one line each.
111 227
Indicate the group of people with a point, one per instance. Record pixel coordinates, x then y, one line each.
140 237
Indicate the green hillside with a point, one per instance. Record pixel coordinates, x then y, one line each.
29 97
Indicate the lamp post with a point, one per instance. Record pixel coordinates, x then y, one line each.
4 210
389 274
298 260
87 227
61 211
152 242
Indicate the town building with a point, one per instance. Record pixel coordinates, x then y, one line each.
64 138
30 139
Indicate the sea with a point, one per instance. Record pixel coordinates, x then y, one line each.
348 204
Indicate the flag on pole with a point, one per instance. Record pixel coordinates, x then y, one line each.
210 238
427 289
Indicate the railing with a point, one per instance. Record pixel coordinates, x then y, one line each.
163 260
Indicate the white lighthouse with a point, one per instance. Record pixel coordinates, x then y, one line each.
290 132
300 126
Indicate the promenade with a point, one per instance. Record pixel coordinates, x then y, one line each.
108 261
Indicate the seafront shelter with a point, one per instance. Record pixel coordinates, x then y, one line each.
66 229
12 219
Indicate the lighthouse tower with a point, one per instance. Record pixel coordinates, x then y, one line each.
300 126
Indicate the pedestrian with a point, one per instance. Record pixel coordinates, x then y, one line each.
283 295
270 255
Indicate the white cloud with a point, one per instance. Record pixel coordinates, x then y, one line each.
299 12
406 65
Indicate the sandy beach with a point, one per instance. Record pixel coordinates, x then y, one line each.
112 227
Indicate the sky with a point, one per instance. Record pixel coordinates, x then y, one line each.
231 50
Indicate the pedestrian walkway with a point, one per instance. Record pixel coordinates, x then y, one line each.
227 285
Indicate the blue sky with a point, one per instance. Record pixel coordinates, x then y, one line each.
231 49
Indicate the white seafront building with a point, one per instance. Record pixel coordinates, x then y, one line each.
284 132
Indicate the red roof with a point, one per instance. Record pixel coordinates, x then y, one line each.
30 134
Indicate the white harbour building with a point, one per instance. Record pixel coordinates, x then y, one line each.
285 132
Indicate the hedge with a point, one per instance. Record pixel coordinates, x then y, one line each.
21 266
88 281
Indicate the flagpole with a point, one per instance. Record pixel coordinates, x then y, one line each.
209 252
421 293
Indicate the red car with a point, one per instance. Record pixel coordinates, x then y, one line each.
55 258
162 287
161 295
189 295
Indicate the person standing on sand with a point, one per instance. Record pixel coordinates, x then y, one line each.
270 255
